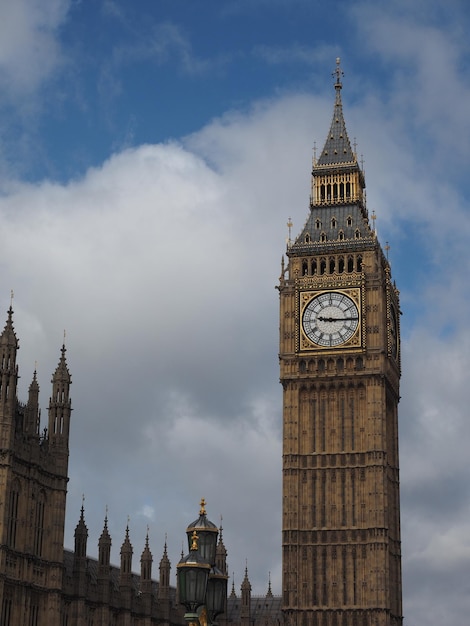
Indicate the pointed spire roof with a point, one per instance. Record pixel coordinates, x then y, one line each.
221 549
337 147
246 585
233 593
165 561
34 386
146 554
269 593
32 411
81 528
81 535
8 336
126 544
105 537
62 373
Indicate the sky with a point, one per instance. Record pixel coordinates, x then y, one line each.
151 155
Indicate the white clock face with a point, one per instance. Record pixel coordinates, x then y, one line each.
330 319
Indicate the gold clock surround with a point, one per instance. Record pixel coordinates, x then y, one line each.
306 297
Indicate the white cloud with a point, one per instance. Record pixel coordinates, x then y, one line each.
29 47
161 265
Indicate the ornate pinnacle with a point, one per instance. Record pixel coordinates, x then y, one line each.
338 73
202 510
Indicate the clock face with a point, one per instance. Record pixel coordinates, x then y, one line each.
330 319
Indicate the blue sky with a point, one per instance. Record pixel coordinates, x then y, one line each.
151 154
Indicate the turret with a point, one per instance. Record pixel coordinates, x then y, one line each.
221 553
104 553
164 586
245 609
8 381
104 574
79 557
126 559
165 568
60 407
146 560
125 575
32 415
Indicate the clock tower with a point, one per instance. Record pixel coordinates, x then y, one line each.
340 371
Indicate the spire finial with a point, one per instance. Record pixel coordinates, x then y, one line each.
11 298
338 73
202 510
387 248
289 229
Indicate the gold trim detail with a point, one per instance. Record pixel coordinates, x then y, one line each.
354 342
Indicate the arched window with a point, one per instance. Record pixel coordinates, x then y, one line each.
13 514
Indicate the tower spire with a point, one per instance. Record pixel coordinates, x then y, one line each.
337 147
337 202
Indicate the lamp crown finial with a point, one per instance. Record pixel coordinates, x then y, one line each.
203 507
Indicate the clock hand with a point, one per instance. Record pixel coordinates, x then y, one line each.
336 319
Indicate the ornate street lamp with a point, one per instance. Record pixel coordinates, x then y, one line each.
216 594
202 587
192 575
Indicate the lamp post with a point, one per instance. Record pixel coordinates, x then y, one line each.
202 587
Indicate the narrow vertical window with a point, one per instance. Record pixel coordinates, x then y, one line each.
39 524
